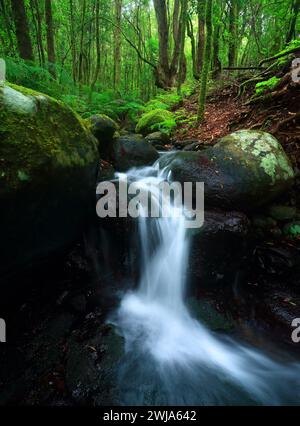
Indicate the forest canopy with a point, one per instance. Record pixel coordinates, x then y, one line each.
92 53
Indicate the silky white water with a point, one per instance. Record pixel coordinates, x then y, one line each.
171 358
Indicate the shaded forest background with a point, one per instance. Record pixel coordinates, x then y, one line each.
113 56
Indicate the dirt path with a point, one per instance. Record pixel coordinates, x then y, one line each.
223 108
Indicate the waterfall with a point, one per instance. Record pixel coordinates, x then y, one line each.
171 358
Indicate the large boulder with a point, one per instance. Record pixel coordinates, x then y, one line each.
242 171
217 249
103 128
157 119
132 151
48 166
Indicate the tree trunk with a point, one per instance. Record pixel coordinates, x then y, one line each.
217 66
182 67
117 43
177 35
190 33
233 33
50 37
206 60
37 19
162 71
201 37
73 41
81 53
292 29
22 30
97 69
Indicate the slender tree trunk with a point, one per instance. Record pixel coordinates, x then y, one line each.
73 40
98 50
37 20
201 37
81 53
190 33
117 43
217 66
183 19
292 29
50 37
206 60
22 30
233 33
177 36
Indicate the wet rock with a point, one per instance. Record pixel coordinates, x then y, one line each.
282 213
161 147
243 171
133 151
48 166
263 222
282 308
218 248
106 171
158 138
78 303
91 370
276 260
191 147
103 128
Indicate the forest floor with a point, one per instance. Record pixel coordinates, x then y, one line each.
226 112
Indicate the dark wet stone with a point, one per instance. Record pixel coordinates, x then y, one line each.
243 171
132 151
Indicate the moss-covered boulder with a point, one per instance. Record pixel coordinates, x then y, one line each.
244 170
48 166
158 119
103 128
132 151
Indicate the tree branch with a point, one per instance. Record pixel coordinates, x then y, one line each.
130 43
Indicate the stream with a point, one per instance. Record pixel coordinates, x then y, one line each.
170 357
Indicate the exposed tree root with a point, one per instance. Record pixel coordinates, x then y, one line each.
295 117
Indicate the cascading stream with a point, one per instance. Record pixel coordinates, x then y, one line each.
171 358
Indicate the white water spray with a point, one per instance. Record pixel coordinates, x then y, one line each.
170 357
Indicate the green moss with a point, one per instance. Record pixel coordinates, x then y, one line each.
292 230
266 86
157 119
39 132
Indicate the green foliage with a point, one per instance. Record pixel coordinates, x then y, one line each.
158 119
33 77
266 86
165 100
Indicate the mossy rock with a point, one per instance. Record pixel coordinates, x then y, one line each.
48 166
283 213
133 151
104 129
244 170
158 119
